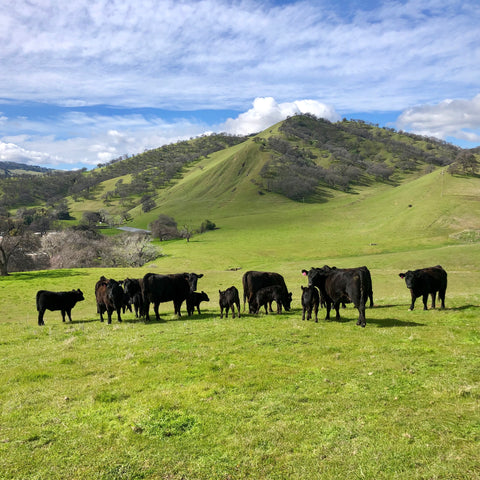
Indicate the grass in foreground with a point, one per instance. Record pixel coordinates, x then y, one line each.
256 397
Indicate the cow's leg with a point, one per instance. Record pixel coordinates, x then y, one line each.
155 309
328 307
316 312
238 307
69 313
434 297
361 315
337 310
412 305
303 313
41 313
109 315
63 315
118 314
425 301
441 296
232 306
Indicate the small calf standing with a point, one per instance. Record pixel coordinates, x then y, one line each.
274 293
194 299
63 301
310 301
228 299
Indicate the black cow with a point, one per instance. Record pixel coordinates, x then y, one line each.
133 291
424 282
310 302
253 281
194 300
165 288
110 298
273 293
63 301
338 285
227 300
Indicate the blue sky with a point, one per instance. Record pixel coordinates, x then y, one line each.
86 81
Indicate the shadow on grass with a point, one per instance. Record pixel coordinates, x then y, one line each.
392 322
46 274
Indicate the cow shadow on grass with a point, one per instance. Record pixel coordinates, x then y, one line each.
393 322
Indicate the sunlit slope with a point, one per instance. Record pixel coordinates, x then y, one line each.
424 212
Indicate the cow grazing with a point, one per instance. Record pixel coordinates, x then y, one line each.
273 293
424 282
165 288
227 300
338 285
63 301
110 298
194 300
310 302
133 292
253 281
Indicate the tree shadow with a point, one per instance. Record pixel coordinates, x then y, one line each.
47 274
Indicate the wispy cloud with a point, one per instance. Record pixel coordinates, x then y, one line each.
206 53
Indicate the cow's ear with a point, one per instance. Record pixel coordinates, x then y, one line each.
401 275
304 273
200 276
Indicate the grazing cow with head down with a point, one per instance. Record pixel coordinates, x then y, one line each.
63 301
310 302
253 281
227 300
338 285
110 298
165 288
273 293
424 282
194 300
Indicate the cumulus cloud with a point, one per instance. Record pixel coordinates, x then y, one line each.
14 153
458 118
266 112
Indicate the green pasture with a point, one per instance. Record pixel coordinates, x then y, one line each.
267 396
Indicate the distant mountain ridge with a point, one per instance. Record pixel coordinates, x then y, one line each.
10 169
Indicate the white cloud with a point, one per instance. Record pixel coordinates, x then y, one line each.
266 112
458 118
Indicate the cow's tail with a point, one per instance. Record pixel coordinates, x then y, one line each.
37 300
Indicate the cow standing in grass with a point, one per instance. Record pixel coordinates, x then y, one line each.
63 301
228 299
267 295
424 282
165 288
341 285
310 302
110 298
253 281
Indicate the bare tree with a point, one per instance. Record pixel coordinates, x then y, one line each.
16 246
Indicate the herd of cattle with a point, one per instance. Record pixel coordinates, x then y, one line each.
327 286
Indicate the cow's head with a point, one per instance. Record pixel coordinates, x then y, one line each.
78 295
409 278
316 276
287 301
192 279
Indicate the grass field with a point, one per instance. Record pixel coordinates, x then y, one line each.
268 396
